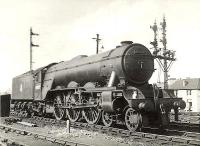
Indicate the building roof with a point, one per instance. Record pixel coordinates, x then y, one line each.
186 84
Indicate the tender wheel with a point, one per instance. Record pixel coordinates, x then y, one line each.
30 110
41 110
107 119
132 119
59 113
92 115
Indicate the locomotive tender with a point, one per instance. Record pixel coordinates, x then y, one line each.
111 87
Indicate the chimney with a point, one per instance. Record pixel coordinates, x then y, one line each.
185 83
126 43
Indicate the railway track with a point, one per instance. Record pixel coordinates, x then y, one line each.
173 126
148 135
190 127
37 136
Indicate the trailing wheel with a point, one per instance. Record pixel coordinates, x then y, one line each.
59 113
107 119
92 115
132 119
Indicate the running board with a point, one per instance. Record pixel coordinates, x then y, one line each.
78 106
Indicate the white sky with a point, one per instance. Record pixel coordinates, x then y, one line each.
67 26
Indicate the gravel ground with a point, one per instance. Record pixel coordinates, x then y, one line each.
2 144
91 138
24 140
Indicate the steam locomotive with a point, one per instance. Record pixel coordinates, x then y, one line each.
111 87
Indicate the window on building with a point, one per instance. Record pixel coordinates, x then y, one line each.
189 92
189 102
190 106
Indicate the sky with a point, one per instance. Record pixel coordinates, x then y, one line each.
66 29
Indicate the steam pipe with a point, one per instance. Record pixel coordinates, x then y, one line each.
112 79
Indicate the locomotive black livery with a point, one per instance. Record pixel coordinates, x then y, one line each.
111 87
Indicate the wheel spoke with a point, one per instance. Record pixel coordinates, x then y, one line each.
94 114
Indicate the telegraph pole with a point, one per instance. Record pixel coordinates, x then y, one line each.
164 57
31 50
164 42
97 40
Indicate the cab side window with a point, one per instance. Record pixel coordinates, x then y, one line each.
38 77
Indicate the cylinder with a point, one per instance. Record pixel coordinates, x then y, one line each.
147 106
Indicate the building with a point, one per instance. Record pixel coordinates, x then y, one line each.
189 90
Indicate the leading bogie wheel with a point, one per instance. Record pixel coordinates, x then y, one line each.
132 119
107 119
